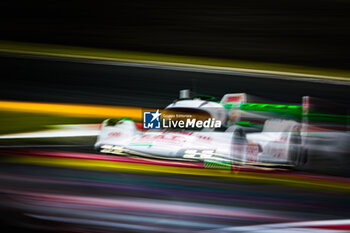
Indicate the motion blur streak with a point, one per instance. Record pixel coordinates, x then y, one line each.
311 226
82 192
144 205
81 110
110 163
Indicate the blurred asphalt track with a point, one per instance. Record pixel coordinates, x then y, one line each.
79 192
43 79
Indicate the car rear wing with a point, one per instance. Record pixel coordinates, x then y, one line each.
314 112
233 100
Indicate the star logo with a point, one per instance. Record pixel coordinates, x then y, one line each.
156 115
151 120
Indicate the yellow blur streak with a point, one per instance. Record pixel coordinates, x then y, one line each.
255 177
81 110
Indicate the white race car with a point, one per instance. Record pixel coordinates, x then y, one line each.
277 142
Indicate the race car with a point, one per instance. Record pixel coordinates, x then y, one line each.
267 141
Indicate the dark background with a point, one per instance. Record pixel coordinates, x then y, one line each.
303 32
